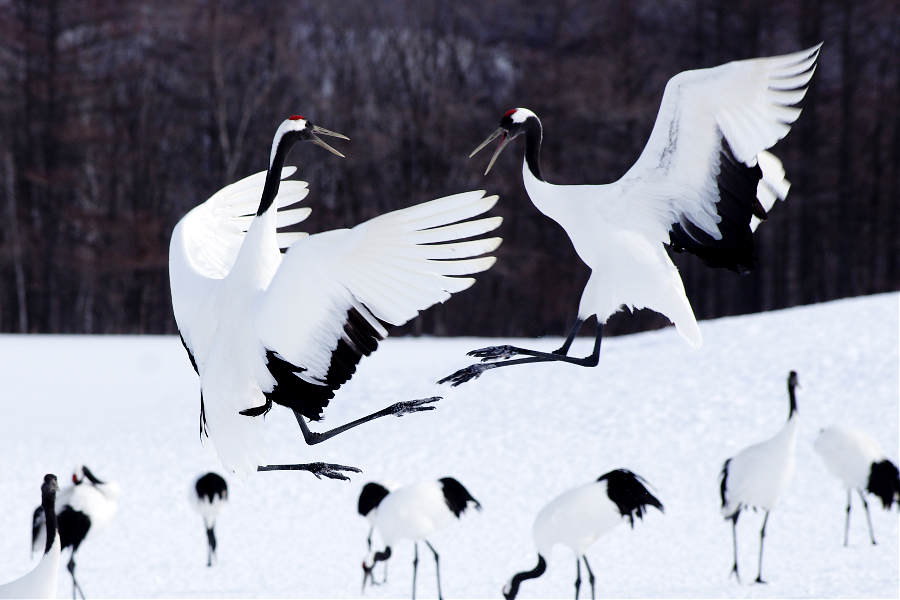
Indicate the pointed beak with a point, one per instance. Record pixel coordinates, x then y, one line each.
318 141
504 140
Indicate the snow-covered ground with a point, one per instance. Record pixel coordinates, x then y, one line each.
128 407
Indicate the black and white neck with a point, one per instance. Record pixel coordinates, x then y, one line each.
793 382
289 133
512 587
519 121
48 502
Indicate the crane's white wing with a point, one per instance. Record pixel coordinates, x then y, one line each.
334 292
704 172
206 241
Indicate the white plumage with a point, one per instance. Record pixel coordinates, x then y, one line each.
412 513
578 517
41 581
758 475
702 184
860 463
262 328
209 496
84 510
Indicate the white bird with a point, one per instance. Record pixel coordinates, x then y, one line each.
702 184
41 581
210 497
412 513
578 517
83 510
757 475
262 327
860 463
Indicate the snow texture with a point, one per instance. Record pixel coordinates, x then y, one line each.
128 407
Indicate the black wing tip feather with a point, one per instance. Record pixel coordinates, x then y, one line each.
723 488
457 496
73 526
371 496
210 485
626 491
884 482
360 339
737 186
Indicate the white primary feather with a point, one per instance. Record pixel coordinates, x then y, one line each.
618 229
235 297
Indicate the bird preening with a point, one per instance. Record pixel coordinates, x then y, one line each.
702 184
210 495
860 463
262 328
758 475
578 517
412 513
41 581
83 510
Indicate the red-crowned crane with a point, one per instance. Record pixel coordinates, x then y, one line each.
701 185
758 475
83 511
40 582
412 513
210 495
578 517
859 462
262 328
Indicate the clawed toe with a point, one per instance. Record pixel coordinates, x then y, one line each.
463 375
493 352
411 406
331 471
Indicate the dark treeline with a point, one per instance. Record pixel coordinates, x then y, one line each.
117 117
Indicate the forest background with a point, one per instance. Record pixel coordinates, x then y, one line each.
117 117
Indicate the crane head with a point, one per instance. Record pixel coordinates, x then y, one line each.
298 129
511 125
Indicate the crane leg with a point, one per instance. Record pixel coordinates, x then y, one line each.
590 576
415 566
505 352
577 577
319 469
868 518
847 524
734 521
75 586
398 410
211 539
437 566
762 536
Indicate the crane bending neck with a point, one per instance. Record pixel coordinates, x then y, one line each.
518 578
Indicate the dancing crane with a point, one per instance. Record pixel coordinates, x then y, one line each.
701 185
262 328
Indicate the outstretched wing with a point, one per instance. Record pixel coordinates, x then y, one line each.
704 174
206 241
334 293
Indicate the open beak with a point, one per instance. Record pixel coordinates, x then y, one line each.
504 140
318 141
